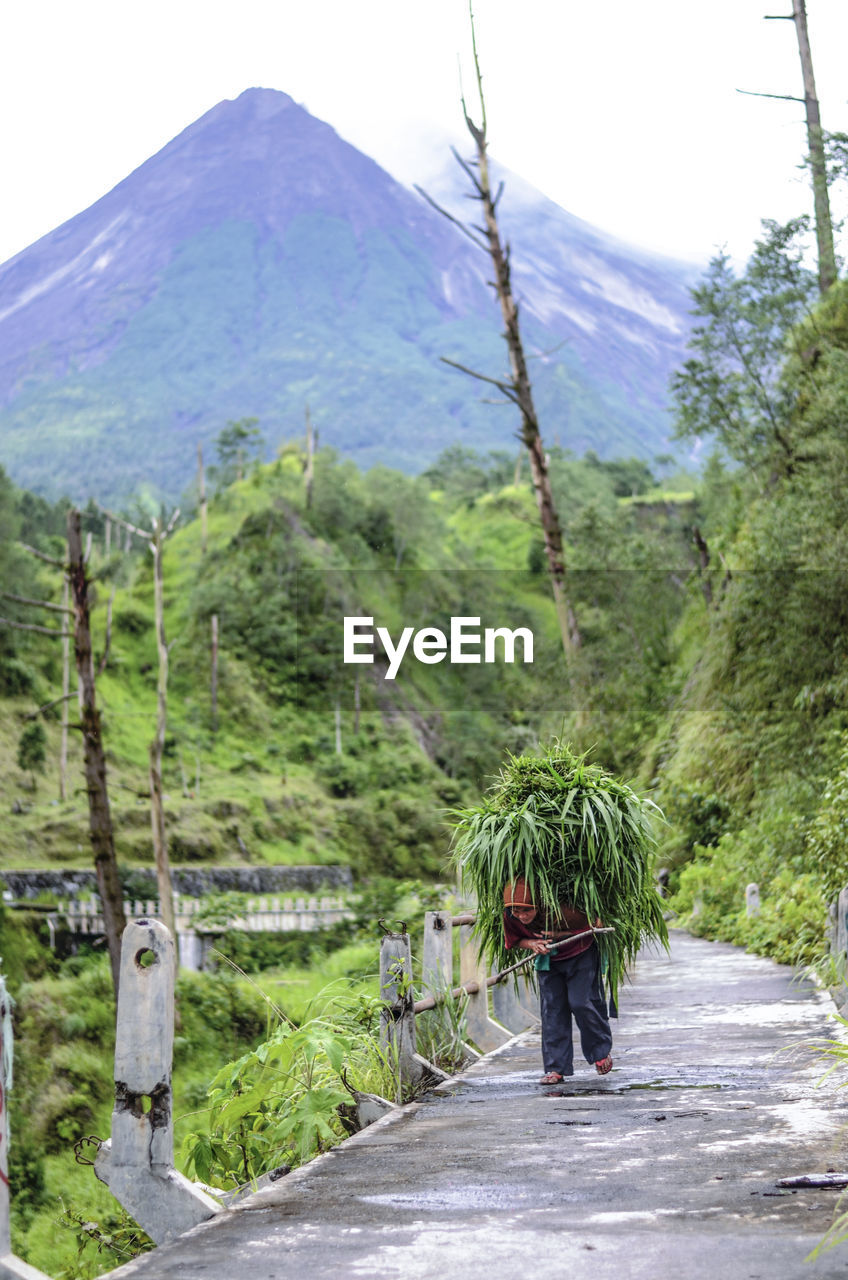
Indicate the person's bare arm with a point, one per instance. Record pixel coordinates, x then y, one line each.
539 946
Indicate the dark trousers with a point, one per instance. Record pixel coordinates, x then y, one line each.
573 987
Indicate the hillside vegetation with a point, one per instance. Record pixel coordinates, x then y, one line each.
712 672
265 779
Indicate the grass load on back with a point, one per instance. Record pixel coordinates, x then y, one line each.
578 836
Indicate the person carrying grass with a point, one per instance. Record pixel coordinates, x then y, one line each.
569 979
554 829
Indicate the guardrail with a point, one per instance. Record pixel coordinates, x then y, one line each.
136 1163
513 1004
262 914
197 930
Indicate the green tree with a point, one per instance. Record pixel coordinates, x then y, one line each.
731 389
32 749
236 445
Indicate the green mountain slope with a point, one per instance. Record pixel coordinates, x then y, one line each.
263 780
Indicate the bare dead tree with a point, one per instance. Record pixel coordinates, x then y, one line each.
155 538
214 674
157 746
101 833
517 388
309 469
815 143
100 818
201 486
66 687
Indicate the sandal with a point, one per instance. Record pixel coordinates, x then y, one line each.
552 1077
604 1065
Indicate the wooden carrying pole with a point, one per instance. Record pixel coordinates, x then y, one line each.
471 988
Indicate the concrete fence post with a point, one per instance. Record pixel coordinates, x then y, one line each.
516 1005
437 953
397 1020
842 922
482 1030
137 1164
11 1267
832 927
752 899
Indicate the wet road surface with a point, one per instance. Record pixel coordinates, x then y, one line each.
667 1166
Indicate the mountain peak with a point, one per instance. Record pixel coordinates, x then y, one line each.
258 261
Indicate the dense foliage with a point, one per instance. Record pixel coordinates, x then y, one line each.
714 624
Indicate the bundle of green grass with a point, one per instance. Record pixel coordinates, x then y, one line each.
578 836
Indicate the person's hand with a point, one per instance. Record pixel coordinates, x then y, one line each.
539 946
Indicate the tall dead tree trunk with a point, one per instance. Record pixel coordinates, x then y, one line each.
66 686
518 389
214 674
99 815
157 807
815 144
309 469
201 485
155 540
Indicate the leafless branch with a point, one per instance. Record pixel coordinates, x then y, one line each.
101 666
504 387
39 555
39 604
32 626
66 697
125 524
541 355
457 222
468 170
784 97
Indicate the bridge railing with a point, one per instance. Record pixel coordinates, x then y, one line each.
496 1009
196 933
260 914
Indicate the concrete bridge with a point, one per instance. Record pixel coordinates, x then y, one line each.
673 1164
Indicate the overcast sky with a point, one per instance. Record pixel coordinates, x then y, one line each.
625 113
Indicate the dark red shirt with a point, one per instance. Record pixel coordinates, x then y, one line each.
515 932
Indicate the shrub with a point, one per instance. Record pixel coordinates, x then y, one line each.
17 679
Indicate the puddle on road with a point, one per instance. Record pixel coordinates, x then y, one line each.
462 1196
654 1086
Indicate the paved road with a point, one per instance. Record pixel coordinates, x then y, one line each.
665 1167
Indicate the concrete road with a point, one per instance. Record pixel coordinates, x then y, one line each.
666 1167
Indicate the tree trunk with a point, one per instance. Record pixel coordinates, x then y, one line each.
66 687
309 471
157 809
214 678
201 485
99 816
815 142
522 393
